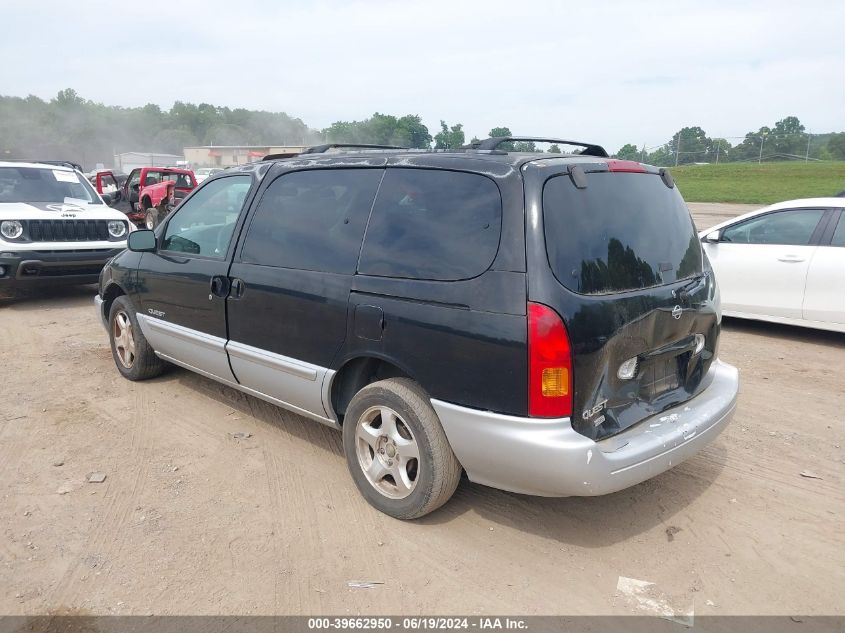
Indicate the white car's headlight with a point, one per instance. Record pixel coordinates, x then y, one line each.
117 228
11 229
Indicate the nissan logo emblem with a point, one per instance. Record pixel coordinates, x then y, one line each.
677 312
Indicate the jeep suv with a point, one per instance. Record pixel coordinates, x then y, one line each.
546 323
54 228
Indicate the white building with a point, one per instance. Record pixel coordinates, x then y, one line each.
230 155
128 161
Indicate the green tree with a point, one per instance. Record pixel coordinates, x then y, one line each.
750 148
836 146
449 137
722 150
524 146
628 152
411 132
68 97
503 131
226 134
381 129
695 146
553 149
787 137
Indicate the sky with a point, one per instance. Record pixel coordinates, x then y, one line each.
605 72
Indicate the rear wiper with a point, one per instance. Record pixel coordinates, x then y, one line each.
690 287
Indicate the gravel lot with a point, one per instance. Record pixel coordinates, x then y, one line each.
194 519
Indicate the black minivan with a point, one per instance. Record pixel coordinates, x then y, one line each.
547 323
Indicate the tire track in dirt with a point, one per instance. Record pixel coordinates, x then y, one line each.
105 544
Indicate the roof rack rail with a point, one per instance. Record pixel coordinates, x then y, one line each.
493 143
282 155
319 149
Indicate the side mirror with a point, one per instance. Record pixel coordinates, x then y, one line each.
108 199
142 241
713 236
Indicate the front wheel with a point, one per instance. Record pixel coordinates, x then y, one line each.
133 355
396 450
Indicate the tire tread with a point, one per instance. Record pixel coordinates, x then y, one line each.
147 365
446 470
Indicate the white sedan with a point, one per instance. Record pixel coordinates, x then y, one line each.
784 263
204 172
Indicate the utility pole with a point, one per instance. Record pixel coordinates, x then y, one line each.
762 140
718 145
642 159
807 155
677 149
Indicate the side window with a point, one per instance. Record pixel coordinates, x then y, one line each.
108 183
433 224
152 178
312 220
839 233
203 225
794 227
134 177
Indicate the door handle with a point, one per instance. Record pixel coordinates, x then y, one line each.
791 259
219 286
238 288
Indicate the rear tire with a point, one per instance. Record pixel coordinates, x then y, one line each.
132 354
151 218
396 450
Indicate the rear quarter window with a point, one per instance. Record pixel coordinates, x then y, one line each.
624 231
432 224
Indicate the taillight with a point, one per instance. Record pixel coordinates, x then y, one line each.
615 164
549 364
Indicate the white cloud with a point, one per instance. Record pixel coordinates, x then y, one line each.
609 72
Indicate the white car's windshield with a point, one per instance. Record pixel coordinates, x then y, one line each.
39 184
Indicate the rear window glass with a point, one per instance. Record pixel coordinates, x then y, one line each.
312 220
432 224
622 232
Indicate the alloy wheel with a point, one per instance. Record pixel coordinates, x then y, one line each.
387 452
124 339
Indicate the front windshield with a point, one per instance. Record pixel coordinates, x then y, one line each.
39 184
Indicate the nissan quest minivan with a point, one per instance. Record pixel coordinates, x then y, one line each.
546 323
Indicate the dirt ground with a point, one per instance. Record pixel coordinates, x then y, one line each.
192 519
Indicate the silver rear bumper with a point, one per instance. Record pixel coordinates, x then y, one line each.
546 457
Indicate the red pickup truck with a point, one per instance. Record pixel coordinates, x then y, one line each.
153 192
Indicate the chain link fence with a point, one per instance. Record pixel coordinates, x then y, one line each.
758 148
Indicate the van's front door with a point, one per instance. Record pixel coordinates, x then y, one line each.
183 286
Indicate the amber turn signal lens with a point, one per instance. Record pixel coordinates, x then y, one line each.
555 382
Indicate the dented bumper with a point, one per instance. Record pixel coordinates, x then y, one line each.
546 457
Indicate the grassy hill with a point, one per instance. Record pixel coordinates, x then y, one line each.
762 183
